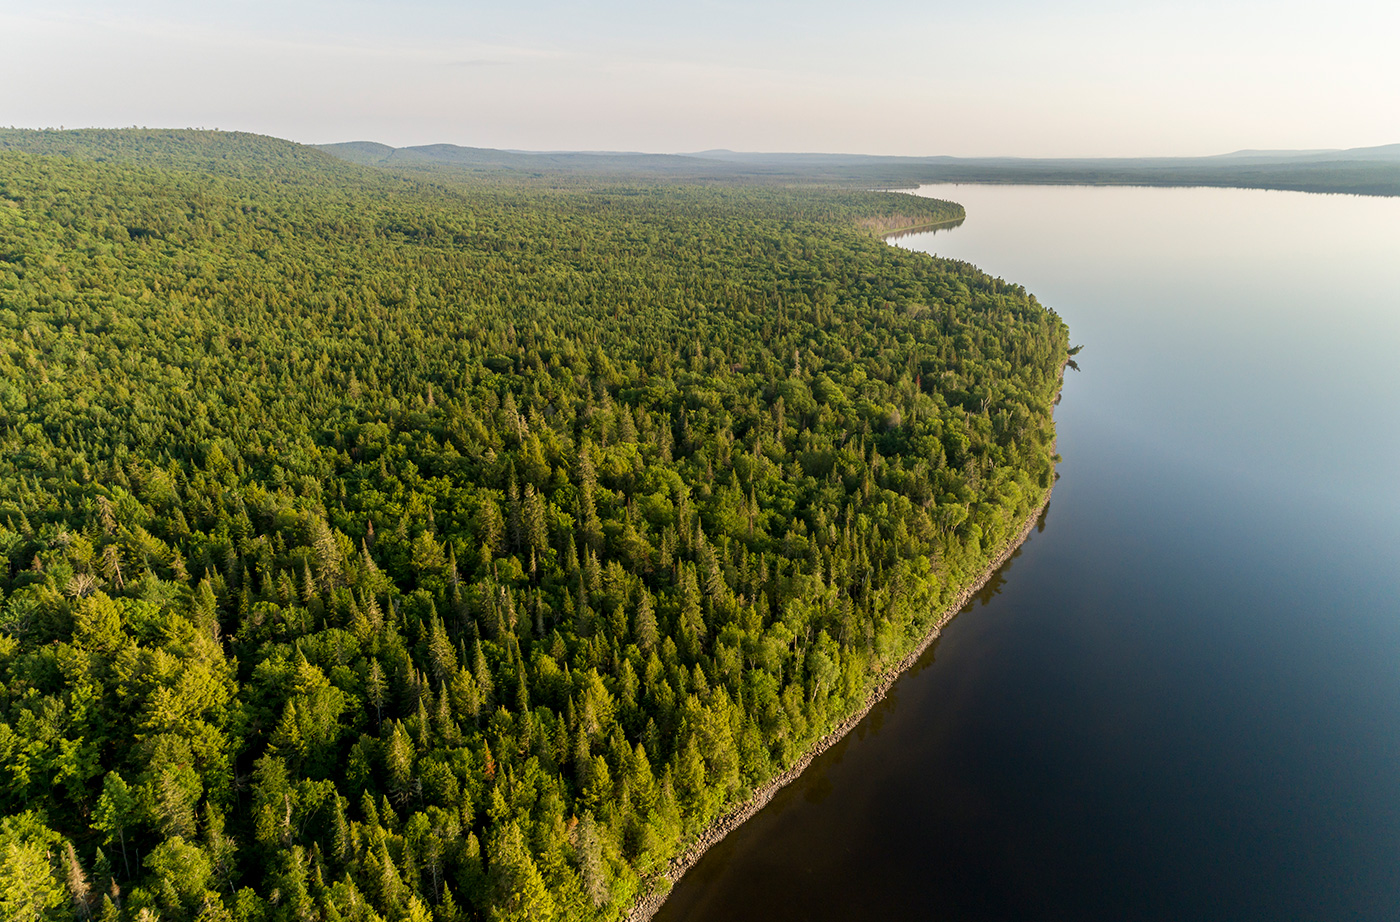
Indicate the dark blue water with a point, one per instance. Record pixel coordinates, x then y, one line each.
1183 699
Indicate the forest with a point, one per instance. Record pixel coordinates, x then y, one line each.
394 546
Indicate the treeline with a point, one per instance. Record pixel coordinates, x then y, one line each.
1339 177
383 548
1361 171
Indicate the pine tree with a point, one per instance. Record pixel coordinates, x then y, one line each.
115 808
79 889
441 657
645 630
376 689
518 891
592 868
398 759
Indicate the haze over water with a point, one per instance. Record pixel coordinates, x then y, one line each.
1183 701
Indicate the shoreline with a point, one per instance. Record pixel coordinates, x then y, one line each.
919 228
650 903
887 235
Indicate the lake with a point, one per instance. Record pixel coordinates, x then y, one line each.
1181 699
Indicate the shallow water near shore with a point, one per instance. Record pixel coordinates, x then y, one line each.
1181 699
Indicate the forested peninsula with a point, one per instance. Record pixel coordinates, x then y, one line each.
390 544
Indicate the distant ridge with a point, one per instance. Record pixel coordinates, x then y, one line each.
367 153
1279 154
1388 152
1385 152
532 162
1359 171
222 153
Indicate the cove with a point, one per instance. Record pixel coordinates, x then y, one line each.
1181 699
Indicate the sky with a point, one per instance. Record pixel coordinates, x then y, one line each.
911 77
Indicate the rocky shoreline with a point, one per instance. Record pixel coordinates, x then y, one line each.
648 905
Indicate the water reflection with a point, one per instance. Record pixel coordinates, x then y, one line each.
923 231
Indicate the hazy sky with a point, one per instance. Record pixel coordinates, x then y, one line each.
885 76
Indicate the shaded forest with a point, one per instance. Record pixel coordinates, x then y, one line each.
393 546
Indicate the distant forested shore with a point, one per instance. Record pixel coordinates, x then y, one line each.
1359 171
419 542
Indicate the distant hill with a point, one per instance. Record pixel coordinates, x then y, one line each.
1364 171
363 152
1389 152
533 162
226 153
1386 152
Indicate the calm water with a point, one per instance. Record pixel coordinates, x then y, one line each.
1183 700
